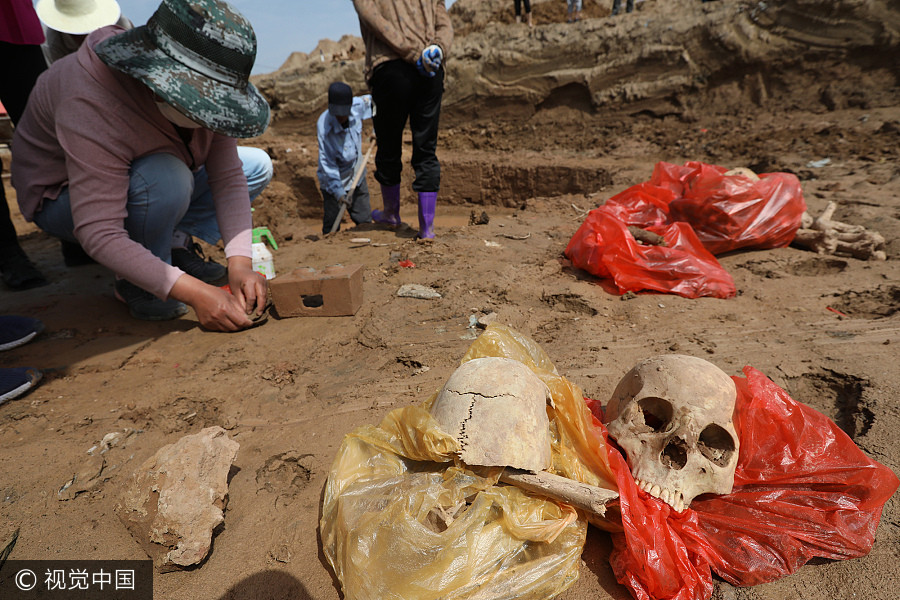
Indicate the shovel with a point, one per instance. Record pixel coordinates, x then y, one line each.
496 409
345 199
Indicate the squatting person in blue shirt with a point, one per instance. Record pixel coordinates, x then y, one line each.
339 131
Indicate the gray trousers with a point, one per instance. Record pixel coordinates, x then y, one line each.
359 208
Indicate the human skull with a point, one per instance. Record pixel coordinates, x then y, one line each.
672 415
496 408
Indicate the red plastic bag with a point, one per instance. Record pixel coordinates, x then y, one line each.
699 211
604 247
802 489
729 212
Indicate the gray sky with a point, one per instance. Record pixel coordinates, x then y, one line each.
282 26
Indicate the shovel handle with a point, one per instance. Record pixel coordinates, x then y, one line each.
340 215
589 498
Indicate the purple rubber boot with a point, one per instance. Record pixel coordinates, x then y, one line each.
427 203
391 213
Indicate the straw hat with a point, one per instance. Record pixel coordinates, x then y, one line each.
77 17
197 55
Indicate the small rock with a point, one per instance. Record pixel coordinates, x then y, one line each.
487 319
476 219
414 290
88 478
176 499
114 438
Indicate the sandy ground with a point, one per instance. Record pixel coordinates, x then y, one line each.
289 391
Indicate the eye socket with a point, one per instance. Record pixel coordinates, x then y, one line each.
657 413
716 444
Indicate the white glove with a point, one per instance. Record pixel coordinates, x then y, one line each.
432 57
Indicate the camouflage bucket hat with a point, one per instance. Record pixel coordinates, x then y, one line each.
197 56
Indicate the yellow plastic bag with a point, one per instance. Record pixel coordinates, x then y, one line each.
401 519
578 451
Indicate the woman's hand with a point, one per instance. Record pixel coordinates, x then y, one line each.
218 310
249 287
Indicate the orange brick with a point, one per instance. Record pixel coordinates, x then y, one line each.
334 291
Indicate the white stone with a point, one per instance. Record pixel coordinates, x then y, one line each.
176 499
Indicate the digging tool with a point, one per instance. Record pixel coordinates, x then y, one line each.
496 409
347 197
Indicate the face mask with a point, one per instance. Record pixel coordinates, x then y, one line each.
175 117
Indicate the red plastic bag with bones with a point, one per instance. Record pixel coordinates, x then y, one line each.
699 211
802 489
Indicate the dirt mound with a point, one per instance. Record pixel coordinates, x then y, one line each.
561 91
678 57
540 126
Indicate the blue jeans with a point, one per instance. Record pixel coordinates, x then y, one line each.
163 196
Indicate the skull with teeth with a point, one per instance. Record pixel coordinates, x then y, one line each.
672 415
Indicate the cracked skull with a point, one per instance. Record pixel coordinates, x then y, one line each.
672 415
496 408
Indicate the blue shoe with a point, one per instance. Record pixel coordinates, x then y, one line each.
15 331
15 382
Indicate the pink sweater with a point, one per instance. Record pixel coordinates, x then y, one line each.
84 125
19 23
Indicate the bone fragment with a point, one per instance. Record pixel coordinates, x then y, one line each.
589 498
646 237
744 172
825 236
